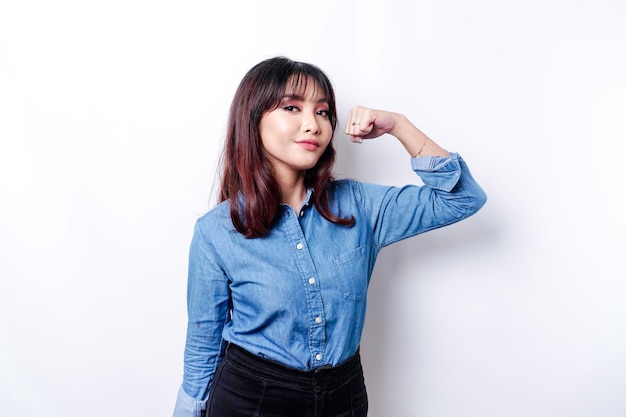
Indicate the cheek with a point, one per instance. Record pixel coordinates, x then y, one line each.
267 132
327 143
328 133
273 128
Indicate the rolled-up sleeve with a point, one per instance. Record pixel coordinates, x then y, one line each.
449 194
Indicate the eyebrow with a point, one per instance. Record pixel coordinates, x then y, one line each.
298 97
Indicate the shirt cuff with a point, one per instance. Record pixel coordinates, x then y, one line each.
187 406
438 172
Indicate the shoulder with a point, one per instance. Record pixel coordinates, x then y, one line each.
343 185
353 193
217 218
354 189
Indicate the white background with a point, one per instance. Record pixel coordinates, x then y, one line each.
112 116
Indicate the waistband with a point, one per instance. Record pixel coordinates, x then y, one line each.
268 369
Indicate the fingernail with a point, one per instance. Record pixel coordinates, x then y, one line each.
358 140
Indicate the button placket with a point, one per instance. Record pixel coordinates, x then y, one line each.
308 271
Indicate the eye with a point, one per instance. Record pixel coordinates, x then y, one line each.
291 108
324 113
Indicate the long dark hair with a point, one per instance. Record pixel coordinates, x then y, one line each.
247 180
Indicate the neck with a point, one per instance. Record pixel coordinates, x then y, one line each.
293 191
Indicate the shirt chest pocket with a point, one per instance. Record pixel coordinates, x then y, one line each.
351 270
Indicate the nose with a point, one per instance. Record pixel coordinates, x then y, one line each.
310 123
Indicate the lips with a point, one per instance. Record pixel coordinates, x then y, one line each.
309 144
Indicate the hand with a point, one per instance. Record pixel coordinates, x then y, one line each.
364 123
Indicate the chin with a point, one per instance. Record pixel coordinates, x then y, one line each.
305 165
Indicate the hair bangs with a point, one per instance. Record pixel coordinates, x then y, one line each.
292 77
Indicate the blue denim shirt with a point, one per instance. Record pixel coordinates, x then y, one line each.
298 295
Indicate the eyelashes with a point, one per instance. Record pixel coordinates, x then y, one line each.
293 108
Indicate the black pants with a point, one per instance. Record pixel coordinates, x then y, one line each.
249 386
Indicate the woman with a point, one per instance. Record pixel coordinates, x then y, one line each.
279 270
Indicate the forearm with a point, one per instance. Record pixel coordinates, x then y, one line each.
414 140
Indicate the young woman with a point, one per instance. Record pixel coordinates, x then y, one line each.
279 270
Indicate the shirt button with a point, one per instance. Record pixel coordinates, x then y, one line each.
318 320
311 280
302 213
299 246
318 356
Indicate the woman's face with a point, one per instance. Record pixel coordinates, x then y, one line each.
296 133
